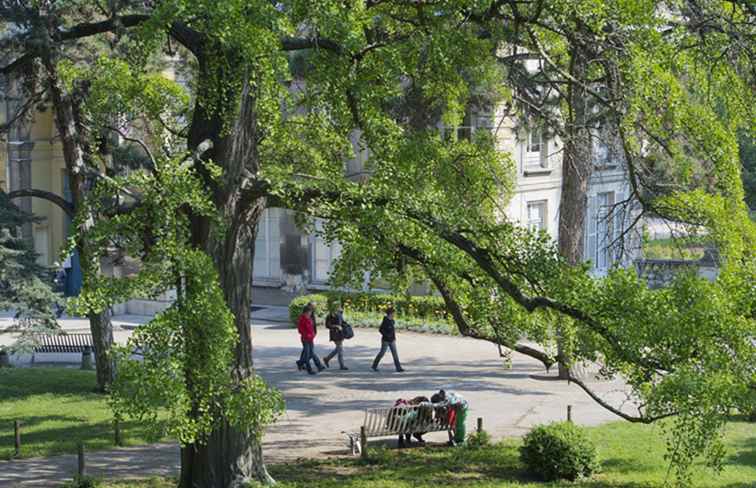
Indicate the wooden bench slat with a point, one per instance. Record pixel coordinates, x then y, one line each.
64 343
379 422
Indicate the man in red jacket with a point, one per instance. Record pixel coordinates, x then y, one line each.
306 328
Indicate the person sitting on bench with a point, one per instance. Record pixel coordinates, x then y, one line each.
419 416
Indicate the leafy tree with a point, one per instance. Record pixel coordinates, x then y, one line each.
433 204
748 160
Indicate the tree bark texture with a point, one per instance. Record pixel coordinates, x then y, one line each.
100 324
231 456
577 165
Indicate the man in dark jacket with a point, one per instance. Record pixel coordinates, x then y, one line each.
335 323
388 341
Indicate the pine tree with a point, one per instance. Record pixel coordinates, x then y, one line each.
24 284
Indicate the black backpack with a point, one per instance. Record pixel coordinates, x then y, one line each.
347 331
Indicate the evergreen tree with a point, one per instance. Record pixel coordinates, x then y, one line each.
24 284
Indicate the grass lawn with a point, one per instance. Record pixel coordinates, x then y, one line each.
58 409
631 457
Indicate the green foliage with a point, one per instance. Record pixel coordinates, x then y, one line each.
747 149
83 482
476 440
24 285
188 350
389 74
420 307
560 450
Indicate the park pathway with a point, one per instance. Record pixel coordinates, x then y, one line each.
319 408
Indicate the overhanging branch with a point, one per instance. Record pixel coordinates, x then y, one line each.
61 202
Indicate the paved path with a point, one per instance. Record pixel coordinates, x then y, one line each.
319 408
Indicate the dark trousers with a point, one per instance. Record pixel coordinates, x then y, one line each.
388 345
339 352
308 353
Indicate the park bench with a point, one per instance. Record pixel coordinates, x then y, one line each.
404 419
63 343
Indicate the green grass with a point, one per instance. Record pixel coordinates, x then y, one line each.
631 456
58 409
677 248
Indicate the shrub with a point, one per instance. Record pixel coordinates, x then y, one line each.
424 307
297 305
82 482
477 439
559 450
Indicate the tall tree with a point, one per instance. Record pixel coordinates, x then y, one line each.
435 203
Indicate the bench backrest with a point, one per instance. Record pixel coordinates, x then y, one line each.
405 420
63 343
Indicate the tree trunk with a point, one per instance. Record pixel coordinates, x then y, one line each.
230 457
577 165
102 339
73 155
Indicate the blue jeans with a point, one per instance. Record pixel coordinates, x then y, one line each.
308 353
338 351
388 345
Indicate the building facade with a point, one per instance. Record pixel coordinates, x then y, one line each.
288 261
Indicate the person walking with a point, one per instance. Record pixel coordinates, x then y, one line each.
388 341
306 328
335 323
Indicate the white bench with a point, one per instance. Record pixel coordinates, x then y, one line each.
405 419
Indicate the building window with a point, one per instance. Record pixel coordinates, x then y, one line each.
267 264
603 227
323 255
537 215
534 140
474 120
465 131
535 154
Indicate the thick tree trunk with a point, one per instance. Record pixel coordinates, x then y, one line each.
102 339
230 457
577 165
73 155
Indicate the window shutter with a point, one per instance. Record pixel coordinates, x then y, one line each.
591 221
544 151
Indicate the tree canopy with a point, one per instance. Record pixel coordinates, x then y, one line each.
281 91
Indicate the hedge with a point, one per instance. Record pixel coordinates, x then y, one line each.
420 307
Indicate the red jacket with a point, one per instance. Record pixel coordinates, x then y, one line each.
306 328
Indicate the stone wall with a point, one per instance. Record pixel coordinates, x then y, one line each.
661 272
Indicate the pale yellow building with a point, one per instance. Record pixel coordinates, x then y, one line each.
31 157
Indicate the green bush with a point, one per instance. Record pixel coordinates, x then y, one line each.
559 450
423 307
82 482
476 440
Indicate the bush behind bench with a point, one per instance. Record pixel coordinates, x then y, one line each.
428 309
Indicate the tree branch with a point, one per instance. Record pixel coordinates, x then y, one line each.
630 418
61 202
136 141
